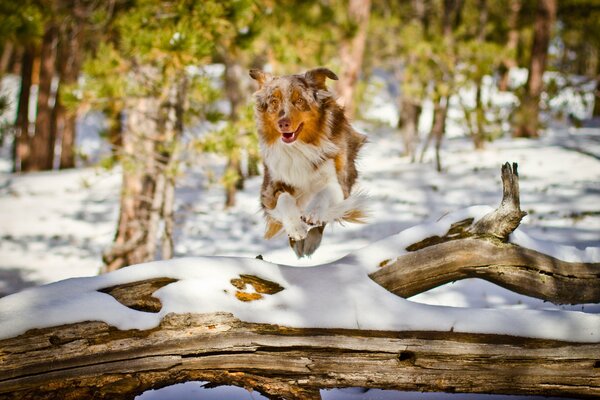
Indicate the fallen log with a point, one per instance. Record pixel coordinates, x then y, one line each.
92 359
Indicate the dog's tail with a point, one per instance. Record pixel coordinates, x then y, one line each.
353 209
309 244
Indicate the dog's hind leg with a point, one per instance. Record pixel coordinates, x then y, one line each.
308 245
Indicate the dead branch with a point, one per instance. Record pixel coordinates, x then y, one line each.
478 250
516 268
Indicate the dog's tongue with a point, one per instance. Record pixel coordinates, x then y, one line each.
287 137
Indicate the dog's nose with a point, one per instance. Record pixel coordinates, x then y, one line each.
284 124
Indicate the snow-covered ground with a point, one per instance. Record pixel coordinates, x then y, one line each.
54 225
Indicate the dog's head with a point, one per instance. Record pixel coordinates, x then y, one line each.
290 107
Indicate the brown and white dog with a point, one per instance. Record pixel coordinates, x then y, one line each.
309 151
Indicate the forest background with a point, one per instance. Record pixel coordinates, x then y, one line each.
170 79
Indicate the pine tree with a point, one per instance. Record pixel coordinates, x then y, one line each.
152 69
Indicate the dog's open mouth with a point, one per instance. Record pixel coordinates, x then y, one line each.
289 137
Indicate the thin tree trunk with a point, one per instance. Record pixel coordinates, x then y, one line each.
170 159
21 144
233 76
450 20
69 75
528 114
410 108
439 128
478 137
114 114
351 53
596 112
436 133
408 123
511 44
42 143
7 54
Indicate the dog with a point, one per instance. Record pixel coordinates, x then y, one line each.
309 151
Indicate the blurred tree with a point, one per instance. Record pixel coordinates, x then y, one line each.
527 123
235 50
580 51
20 33
352 48
512 42
153 67
42 141
50 36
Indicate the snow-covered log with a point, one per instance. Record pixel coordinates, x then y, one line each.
94 360
289 332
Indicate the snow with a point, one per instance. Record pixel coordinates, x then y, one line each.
54 225
195 390
307 301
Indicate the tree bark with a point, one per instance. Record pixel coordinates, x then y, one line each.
351 53
69 74
135 240
528 114
42 142
21 145
94 360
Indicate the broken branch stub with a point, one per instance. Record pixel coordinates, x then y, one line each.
466 251
506 218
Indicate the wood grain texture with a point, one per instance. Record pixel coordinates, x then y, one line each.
94 360
516 268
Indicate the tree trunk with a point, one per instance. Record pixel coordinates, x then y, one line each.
233 90
351 53
8 50
408 123
150 139
528 113
437 131
479 135
42 142
596 112
95 360
21 144
71 66
114 114
511 44
409 106
135 239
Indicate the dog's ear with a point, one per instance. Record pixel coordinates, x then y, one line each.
316 77
260 76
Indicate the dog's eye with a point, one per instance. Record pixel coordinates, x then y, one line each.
273 102
300 102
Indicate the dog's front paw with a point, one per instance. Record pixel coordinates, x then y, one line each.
316 214
296 230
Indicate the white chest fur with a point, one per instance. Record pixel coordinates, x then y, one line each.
295 163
